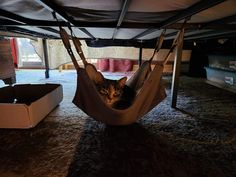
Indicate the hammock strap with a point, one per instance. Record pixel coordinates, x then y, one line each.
78 47
176 42
158 44
66 42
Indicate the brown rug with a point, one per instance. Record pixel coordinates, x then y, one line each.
196 140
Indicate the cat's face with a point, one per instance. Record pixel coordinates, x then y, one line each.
111 90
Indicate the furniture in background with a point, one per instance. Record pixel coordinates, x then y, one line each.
222 71
7 69
115 65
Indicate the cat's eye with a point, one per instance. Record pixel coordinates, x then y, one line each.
117 94
104 91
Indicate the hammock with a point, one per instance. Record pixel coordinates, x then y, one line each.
148 84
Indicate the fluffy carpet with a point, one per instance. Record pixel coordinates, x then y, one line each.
196 140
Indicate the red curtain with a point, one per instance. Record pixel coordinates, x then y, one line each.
14 50
115 65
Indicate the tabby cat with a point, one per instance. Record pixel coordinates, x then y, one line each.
115 93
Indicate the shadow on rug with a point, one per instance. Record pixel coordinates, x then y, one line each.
196 140
133 151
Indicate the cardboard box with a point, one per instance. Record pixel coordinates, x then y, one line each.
24 106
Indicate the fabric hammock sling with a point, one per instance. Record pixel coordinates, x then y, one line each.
148 84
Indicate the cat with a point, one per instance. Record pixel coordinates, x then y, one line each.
115 93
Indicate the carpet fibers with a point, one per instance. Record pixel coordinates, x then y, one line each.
196 140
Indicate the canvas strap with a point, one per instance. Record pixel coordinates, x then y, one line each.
158 44
176 42
66 42
78 47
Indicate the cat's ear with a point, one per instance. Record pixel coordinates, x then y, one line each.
122 81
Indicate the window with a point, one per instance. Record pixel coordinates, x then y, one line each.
27 54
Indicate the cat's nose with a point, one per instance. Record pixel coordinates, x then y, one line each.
109 101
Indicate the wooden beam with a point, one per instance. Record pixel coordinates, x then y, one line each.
176 71
45 54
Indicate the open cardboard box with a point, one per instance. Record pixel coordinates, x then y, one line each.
25 105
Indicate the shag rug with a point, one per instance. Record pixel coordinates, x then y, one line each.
196 140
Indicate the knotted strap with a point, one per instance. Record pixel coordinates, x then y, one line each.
92 72
140 76
158 44
78 47
66 42
176 42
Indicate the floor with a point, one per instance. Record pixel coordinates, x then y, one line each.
196 140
